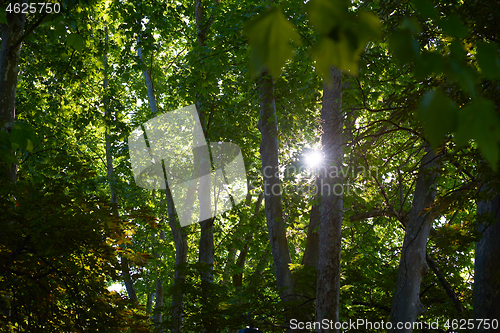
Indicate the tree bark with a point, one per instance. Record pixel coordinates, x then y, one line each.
206 246
181 250
486 268
331 191
406 306
10 50
311 252
159 295
272 186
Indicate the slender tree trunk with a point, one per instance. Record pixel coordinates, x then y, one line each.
311 252
181 250
159 298
178 234
206 246
486 264
240 262
149 303
406 306
10 50
272 186
129 286
331 191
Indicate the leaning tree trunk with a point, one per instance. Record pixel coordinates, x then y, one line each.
406 306
272 186
10 50
486 267
331 191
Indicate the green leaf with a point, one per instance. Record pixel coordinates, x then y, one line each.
4 139
343 37
368 28
412 25
425 8
76 41
438 116
479 121
7 156
453 26
3 17
328 52
429 63
403 46
487 59
6 153
22 136
270 35
324 15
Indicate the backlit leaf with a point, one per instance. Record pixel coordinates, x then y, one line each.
487 58
76 41
425 8
453 26
479 121
438 116
270 35
22 136
324 15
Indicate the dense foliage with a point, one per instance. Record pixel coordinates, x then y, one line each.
416 74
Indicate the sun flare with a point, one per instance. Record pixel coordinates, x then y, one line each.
313 159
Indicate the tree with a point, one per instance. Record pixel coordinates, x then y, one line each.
381 96
328 284
12 36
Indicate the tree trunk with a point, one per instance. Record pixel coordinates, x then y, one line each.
10 50
406 306
129 286
311 252
331 191
206 246
181 250
486 264
272 186
159 297
178 234
240 262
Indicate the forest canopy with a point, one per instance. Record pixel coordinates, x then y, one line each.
366 132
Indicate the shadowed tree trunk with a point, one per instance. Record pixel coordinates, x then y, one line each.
10 50
272 186
311 252
486 264
206 245
181 250
406 306
331 191
159 297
